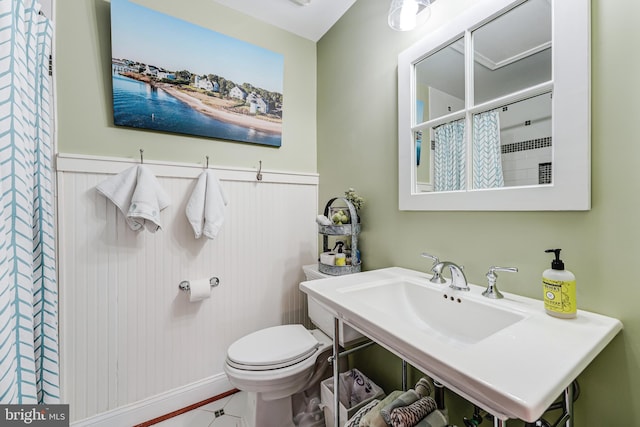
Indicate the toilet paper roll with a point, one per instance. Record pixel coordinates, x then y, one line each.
199 289
328 258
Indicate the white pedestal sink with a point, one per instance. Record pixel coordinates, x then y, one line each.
506 356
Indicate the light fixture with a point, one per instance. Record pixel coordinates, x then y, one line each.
302 2
404 15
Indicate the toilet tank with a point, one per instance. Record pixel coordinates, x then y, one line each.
322 318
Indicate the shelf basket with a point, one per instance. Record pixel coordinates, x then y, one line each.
352 230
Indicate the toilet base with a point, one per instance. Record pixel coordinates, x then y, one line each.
268 413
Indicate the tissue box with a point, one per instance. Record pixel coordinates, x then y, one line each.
356 390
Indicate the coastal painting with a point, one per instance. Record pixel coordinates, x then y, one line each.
169 75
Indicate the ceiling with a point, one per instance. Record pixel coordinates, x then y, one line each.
311 21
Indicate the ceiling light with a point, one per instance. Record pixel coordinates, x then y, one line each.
302 2
404 15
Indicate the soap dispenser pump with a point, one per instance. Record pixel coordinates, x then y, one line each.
559 289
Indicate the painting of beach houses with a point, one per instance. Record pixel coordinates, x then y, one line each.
173 76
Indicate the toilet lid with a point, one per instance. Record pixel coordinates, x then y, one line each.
277 346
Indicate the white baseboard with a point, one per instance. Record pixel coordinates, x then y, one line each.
161 404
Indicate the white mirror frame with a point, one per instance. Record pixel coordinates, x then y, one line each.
571 128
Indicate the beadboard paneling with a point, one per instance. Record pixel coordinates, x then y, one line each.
127 332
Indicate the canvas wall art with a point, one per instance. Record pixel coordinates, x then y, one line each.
170 75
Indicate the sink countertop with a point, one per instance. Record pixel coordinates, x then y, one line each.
516 372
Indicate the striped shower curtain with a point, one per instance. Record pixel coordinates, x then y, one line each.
449 157
28 291
487 157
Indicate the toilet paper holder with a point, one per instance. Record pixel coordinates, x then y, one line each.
184 285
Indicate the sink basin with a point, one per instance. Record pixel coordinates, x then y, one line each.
507 356
436 309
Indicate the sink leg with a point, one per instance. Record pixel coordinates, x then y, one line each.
568 405
336 372
438 394
404 375
497 422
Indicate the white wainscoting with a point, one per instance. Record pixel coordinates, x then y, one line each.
126 332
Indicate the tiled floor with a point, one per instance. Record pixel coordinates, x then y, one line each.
226 412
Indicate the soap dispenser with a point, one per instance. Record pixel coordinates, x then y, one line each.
559 289
341 257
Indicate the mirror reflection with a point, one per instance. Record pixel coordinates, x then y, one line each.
440 83
512 144
512 52
508 143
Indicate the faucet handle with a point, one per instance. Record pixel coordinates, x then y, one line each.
437 277
492 270
492 278
433 257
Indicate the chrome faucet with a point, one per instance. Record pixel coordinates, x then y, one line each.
437 277
492 287
458 279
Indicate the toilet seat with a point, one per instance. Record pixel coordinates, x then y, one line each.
272 348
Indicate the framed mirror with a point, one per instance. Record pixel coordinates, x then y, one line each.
494 110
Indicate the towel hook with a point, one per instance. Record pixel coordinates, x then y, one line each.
207 167
259 175
141 156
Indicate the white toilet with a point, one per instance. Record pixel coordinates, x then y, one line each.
275 363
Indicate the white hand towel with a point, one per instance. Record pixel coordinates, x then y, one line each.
148 199
119 188
137 193
206 206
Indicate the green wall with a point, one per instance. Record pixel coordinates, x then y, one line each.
84 102
357 147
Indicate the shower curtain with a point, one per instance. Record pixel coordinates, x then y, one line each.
487 159
449 156
28 291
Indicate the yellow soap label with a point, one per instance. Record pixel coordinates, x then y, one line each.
560 296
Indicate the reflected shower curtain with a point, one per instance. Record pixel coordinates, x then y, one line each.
28 291
487 159
449 157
